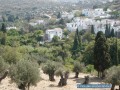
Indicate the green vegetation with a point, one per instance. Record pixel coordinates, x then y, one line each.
50 68
101 54
25 73
113 76
77 68
78 51
64 74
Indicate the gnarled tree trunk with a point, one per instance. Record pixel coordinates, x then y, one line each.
113 86
51 77
22 86
63 80
4 76
76 74
86 80
28 86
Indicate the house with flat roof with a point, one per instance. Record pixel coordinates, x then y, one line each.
50 33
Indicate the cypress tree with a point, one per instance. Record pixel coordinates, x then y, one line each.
92 29
59 15
107 31
3 28
101 54
77 43
112 34
114 54
3 39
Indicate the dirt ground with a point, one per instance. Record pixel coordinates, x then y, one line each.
45 84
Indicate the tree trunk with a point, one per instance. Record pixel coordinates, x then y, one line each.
76 74
103 75
51 77
21 86
113 86
63 81
119 87
4 76
98 74
28 86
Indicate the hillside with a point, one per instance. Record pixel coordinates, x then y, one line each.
115 5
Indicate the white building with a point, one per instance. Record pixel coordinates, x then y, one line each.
40 21
9 28
101 25
80 23
88 12
50 33
37 22
67 15
93 13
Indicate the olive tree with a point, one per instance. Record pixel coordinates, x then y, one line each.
49 68
64 74
25 73
113 76
78 67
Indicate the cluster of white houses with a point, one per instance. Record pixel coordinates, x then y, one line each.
99 12
82 23
85 23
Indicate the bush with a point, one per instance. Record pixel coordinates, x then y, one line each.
24 74
55 39
89 68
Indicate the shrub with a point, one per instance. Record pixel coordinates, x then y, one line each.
24 74
89 68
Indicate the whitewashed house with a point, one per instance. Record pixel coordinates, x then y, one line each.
37 22
101 25
50 33
67 15
40 21
88 12
10 28
99 12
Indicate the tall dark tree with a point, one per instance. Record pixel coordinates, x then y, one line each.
11 18
62 22
3 29
107 31
101 54
92 29
112 34
59 15
113 54
77 43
